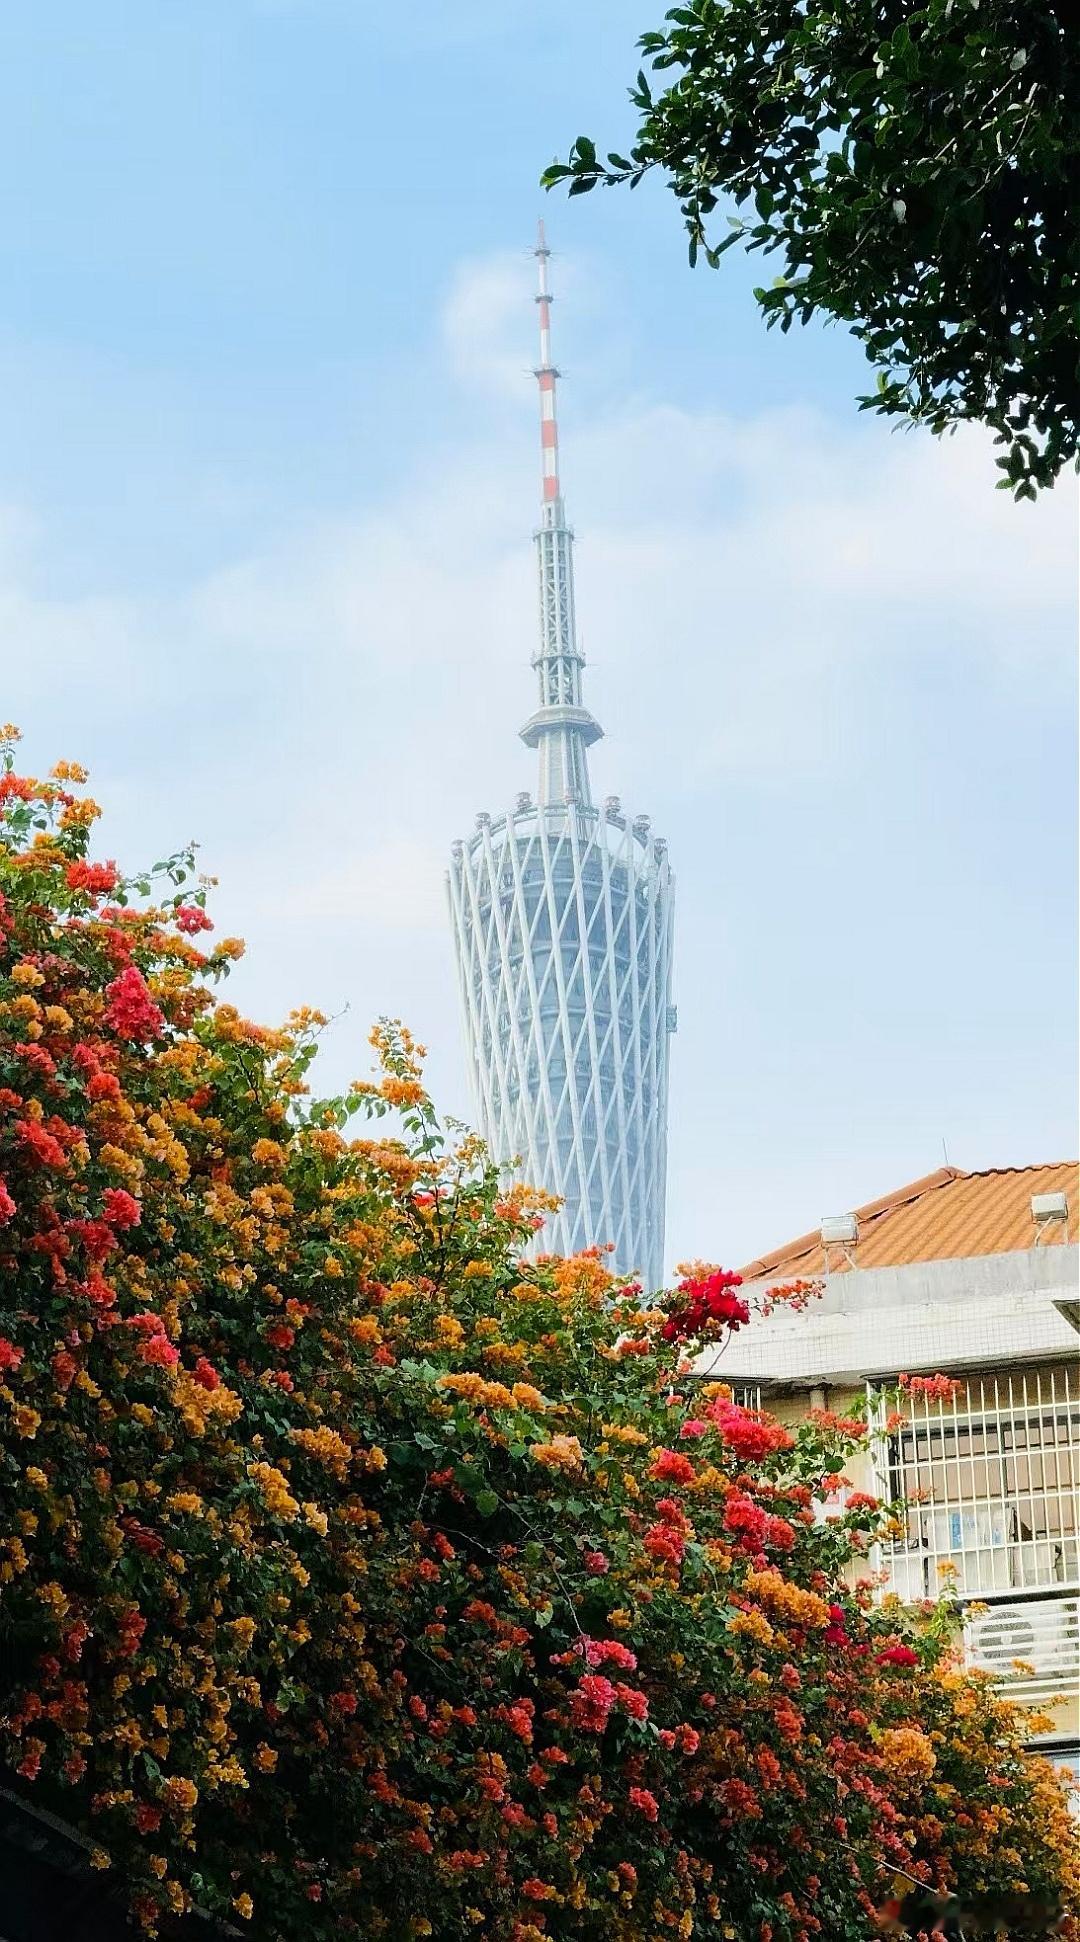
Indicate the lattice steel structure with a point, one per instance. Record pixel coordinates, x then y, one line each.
562 918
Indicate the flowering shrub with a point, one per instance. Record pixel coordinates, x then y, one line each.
358 1576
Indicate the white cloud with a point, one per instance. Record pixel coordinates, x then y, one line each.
481 323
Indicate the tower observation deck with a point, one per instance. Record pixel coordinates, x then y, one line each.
562 921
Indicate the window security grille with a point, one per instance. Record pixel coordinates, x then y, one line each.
989 1484
746 1394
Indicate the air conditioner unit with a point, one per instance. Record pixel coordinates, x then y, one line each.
1042 1635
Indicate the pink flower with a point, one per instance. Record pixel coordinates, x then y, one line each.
694 1426
130 1010
191 918
7 1205
596 1563
601 1652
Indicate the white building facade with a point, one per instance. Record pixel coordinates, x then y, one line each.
562 920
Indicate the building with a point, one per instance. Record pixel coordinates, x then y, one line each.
973 1275
562 920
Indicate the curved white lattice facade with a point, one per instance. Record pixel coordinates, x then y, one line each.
563 925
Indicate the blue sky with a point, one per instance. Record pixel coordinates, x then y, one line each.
267 483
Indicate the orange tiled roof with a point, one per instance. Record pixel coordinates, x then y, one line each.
944 1216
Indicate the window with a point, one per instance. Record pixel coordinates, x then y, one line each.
989 1481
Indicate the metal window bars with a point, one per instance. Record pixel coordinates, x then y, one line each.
988 1480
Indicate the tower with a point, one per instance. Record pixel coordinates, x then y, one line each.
562 920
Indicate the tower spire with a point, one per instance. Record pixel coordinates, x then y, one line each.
546 374
561 729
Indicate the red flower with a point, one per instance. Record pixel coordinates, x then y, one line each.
96 878
7 1205
706 1305
103 1085
671 1466
205 1374
143 1538
596 1563
645 1803
898 1655
64 1368
591 1702
779 1534
158 1350
10 1356
745 1520
130 1010
747 1433
280 1335
936 1389
632 1701
741 1799
97 1290
665 1543
46 1149
97 1238
120 1208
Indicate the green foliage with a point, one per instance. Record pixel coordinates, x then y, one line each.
918 169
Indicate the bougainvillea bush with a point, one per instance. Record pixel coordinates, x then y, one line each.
360 1577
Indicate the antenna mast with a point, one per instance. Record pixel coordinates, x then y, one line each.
562 728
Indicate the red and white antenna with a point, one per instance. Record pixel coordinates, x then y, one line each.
562 728
546 374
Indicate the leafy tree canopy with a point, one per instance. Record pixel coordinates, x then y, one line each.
360 1576
917 167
